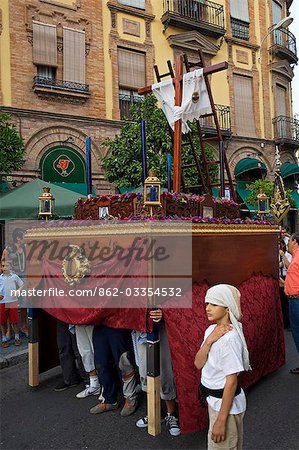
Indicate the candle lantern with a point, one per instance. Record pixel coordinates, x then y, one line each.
46 204
152 190
262 203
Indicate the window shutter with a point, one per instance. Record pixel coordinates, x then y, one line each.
131 68
73 55
244 113
239 10
136 3
44 44
281 96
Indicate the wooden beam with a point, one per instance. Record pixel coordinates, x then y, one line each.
207 71
177 149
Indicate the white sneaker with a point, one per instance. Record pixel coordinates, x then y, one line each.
172 424
142 423
90 391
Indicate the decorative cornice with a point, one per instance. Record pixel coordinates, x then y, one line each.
283 68
241 42
76 5
35 114
130 10
193 40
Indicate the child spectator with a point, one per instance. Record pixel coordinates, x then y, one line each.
9 304
222 356
168 390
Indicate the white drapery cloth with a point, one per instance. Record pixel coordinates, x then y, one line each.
195 99
229 297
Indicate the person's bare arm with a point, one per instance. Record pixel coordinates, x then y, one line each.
202 354
219 427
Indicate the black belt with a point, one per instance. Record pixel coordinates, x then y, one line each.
293 296
204 392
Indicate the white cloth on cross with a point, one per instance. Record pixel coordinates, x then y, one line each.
195 99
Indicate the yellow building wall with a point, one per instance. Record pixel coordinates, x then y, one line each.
5 55
120 28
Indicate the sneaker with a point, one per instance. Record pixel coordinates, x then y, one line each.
17 342
295 371
103 407
142 423
172 424
62 386
129 408
90 391
5 344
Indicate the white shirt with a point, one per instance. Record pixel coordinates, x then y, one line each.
224 358
10 282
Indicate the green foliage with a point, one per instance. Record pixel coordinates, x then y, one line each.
11 146
122 164
267 187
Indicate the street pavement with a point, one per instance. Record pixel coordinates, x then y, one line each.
43 419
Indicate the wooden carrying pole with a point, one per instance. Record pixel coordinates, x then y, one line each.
177 81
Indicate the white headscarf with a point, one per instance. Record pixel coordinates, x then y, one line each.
229 297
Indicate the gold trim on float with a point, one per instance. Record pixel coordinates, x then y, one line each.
156 228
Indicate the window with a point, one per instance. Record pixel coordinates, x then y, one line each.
44 45
135 3
244 113
131 75
46 72
240 19
277 16
73 55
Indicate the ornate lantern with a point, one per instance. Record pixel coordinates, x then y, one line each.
152 190
46 204
262 203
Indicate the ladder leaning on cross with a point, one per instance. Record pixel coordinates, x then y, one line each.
203 172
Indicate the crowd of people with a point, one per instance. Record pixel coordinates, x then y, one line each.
104 358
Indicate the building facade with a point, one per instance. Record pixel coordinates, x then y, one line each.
72 68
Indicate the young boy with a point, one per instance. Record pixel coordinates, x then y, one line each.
9 304
222 356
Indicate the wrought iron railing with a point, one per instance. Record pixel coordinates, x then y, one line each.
286 128
284 38
59 84
125 103
240 29
223 114
199 10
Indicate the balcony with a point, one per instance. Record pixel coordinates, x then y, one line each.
208 125
65 91
125 103
240 29
284 45
286 131
201 15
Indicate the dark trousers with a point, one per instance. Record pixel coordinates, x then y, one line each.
69 356
110 342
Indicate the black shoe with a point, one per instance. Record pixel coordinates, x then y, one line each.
62 386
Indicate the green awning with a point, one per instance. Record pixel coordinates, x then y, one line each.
80 188
295 196
22 202
247 164
287 169
243 193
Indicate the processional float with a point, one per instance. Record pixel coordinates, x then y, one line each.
222 249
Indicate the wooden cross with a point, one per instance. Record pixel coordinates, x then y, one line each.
178 88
